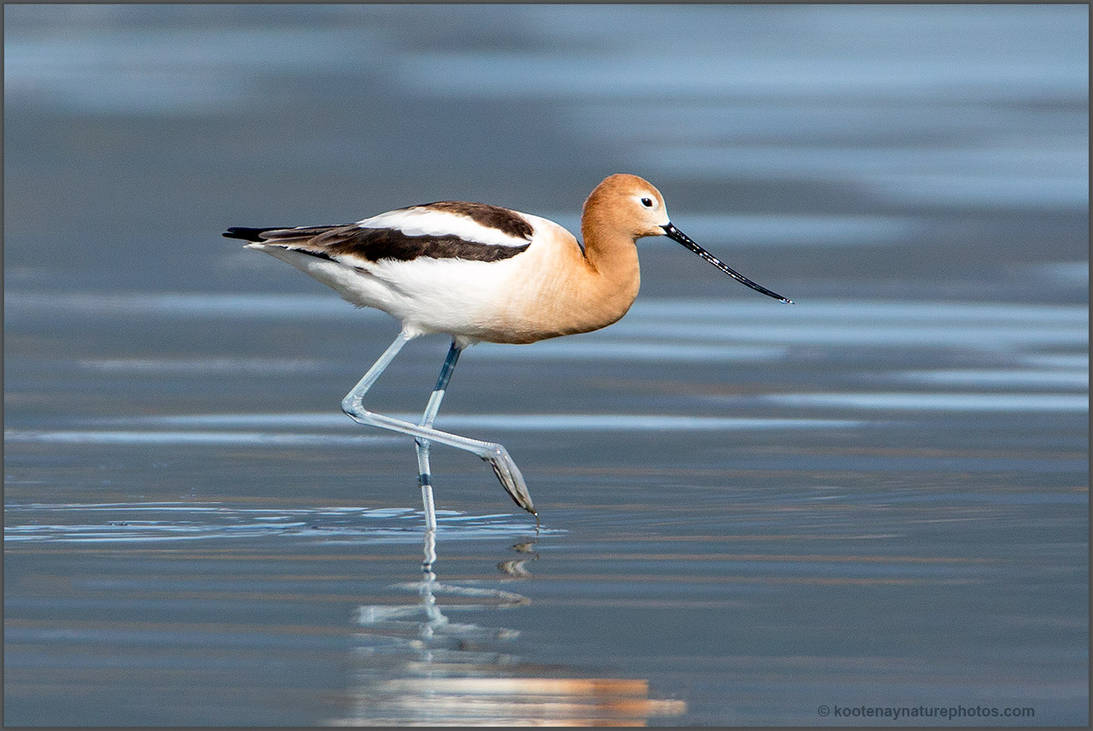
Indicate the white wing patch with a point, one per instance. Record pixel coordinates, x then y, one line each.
420 221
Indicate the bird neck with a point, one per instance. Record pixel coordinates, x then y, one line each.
611 257
564 291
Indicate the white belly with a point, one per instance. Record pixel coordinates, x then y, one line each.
454 296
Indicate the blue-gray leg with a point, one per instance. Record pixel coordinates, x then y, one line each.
421 446
497 456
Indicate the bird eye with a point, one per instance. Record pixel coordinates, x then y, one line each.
647 202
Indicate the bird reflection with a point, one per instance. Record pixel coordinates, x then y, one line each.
518 567
414 666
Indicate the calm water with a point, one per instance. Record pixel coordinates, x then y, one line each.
753 514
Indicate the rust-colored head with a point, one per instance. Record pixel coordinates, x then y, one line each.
628 205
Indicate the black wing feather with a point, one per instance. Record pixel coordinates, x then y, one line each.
372 244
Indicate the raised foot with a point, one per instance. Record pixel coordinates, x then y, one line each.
511 479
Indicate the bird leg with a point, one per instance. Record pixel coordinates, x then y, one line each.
421 446
495 454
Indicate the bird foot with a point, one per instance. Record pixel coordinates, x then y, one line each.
509 475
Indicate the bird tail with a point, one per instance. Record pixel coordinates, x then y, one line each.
249 234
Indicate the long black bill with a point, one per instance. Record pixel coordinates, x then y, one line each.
676 235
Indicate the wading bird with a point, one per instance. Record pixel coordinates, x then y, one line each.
479 272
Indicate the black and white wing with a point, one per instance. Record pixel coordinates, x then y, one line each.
441 230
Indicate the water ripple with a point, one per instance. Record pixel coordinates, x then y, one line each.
175 521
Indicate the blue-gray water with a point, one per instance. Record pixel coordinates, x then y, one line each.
753 514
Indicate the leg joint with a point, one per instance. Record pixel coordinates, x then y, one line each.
354 408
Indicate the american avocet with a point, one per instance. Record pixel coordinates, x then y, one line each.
479 272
